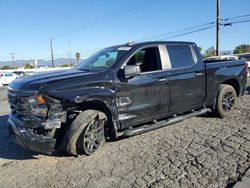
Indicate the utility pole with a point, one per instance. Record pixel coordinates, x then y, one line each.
51 50
23 60
218 28
69 50
13 59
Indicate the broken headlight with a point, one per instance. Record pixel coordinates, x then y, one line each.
45 107
38 106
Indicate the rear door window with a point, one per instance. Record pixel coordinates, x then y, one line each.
180 56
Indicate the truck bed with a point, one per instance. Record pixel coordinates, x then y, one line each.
220 71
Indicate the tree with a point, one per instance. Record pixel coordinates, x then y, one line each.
228 52
66 65
77 57
243 48
139 57
200 48
28 66
6 67
209 52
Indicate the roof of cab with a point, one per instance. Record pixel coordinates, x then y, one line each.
141 44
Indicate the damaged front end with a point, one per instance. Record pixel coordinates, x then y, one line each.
33 120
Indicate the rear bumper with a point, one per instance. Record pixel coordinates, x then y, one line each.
28 140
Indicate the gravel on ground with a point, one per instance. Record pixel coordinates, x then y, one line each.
198 152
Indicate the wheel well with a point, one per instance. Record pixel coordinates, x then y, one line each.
235 84
101 106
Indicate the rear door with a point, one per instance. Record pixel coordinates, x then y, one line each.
186 78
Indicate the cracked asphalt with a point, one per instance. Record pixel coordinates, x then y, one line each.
198 152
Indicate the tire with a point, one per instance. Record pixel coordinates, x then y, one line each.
86 133
226 101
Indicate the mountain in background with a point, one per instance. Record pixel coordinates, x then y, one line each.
41 63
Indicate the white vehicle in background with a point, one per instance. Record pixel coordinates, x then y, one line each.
222 57
229 57
6 78
245 57
19 73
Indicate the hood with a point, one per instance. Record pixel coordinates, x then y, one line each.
35 81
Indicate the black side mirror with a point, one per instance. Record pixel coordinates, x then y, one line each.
131 71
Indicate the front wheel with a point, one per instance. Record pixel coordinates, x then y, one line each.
92 136
86 133
226 101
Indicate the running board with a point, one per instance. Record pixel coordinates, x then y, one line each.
163 123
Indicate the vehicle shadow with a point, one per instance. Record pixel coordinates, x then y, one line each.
208 115
8 148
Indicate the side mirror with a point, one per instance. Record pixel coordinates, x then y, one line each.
131 71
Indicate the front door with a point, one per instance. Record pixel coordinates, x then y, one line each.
144 96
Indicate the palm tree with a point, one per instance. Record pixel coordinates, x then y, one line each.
77 57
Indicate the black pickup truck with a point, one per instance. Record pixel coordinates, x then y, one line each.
122 90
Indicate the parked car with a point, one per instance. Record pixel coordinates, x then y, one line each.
246 57
222 57
229 57
6 78
121 90
29 73
19 73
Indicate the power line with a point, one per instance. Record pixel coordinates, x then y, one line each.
106 17
4 57
188 30
241 21
191 29
135 5
42 42
186 33
84 51
94 50
241 16
235 22
235 19
176 31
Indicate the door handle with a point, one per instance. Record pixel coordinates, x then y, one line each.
199 74
162 80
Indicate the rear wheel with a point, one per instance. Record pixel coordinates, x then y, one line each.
226 101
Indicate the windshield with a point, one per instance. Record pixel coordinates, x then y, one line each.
103 59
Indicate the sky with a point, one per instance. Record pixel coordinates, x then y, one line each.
26 26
